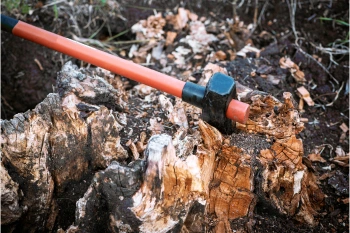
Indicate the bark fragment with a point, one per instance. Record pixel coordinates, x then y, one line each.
108 200
160 201
271 117
10 209
231 193
285 177
25 143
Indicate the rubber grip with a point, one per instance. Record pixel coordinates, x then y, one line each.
8 23
193 93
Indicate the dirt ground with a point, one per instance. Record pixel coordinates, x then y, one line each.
317 43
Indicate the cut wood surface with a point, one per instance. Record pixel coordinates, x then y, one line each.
88 147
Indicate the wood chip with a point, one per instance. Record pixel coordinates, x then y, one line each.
155 127
316 158
298 75
303 93
326 175
301 104
340 163
342 158
274 79
345 201
286 63
305 120
232 54
170 37
220 55
192 16
191 78
344 127
339 152
170 57
243 52
342 137
128 143
143 137
39 64
122 53
134 151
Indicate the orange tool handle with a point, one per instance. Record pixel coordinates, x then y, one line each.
99 58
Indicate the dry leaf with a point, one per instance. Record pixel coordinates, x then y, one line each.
198 38
150 28
181 18
158 50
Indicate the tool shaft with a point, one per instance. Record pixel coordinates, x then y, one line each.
99 58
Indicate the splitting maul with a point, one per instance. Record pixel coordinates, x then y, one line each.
217 99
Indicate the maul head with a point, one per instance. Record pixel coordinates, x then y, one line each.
218 102
217 99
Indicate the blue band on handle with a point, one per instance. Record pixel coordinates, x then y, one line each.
8 23
193 94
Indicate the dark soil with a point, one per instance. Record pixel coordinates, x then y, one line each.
23 84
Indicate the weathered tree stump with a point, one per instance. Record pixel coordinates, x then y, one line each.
178 173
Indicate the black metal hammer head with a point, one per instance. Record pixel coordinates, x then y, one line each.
213 99
220 90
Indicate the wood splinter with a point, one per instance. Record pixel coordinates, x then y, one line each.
303 93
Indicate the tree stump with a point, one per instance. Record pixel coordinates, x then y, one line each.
95 157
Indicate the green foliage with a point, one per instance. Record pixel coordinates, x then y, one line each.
340 22
25 9
20 5
12 4
55 11
103 2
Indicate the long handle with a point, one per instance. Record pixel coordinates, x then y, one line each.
96 57
236 110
